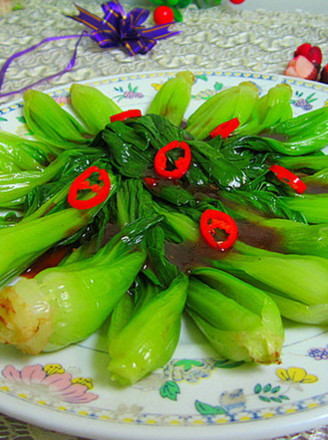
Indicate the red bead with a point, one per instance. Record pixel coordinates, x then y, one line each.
315 55
237 2
163 15
303 49
324 75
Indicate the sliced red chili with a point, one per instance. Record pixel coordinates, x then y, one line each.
210 221
134 113
288 177
225 129
81 183
151 181
182 163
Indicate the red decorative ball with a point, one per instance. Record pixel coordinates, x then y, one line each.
237 2
163 15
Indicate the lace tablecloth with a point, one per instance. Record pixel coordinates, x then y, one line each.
218 38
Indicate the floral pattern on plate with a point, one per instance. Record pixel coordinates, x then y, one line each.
49 383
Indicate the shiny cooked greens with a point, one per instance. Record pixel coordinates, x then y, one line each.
137 262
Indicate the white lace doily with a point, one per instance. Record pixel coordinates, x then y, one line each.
217 38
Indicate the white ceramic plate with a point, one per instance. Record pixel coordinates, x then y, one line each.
195 395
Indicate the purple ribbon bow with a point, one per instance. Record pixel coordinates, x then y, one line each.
118 28
115 29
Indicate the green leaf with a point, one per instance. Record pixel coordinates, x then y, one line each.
170 390
310 96
17 7
257 389
275 389
267 388
218 86
188 364
178 17
182 3
265 399
283 397
228 364
276 399
3 119
21 119
203 77
208 410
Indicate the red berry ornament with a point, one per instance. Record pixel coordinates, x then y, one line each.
303 49
312 53
301 67
237 2
163 15
324 75
315 55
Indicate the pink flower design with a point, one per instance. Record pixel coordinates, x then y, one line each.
58 385
62 100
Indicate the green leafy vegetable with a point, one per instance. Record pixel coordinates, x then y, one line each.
66 304
173 97
23 154
135 348
234 102
269 110
240 321
139 255
52 124
290 276
92 106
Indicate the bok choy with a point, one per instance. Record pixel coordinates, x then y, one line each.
65 304
143 336
240 321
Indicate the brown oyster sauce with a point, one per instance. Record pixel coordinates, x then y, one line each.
51 258
189 255
54 256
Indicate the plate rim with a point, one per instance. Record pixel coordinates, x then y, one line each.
59 422
121 431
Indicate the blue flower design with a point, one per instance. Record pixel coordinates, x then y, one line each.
319 354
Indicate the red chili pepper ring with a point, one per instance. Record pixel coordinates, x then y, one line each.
210 221
225 129
288 177
133 113
182 164
82 183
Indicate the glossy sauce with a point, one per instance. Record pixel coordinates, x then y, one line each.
277 136
51 258
55 255
316 188
259 236
189 255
